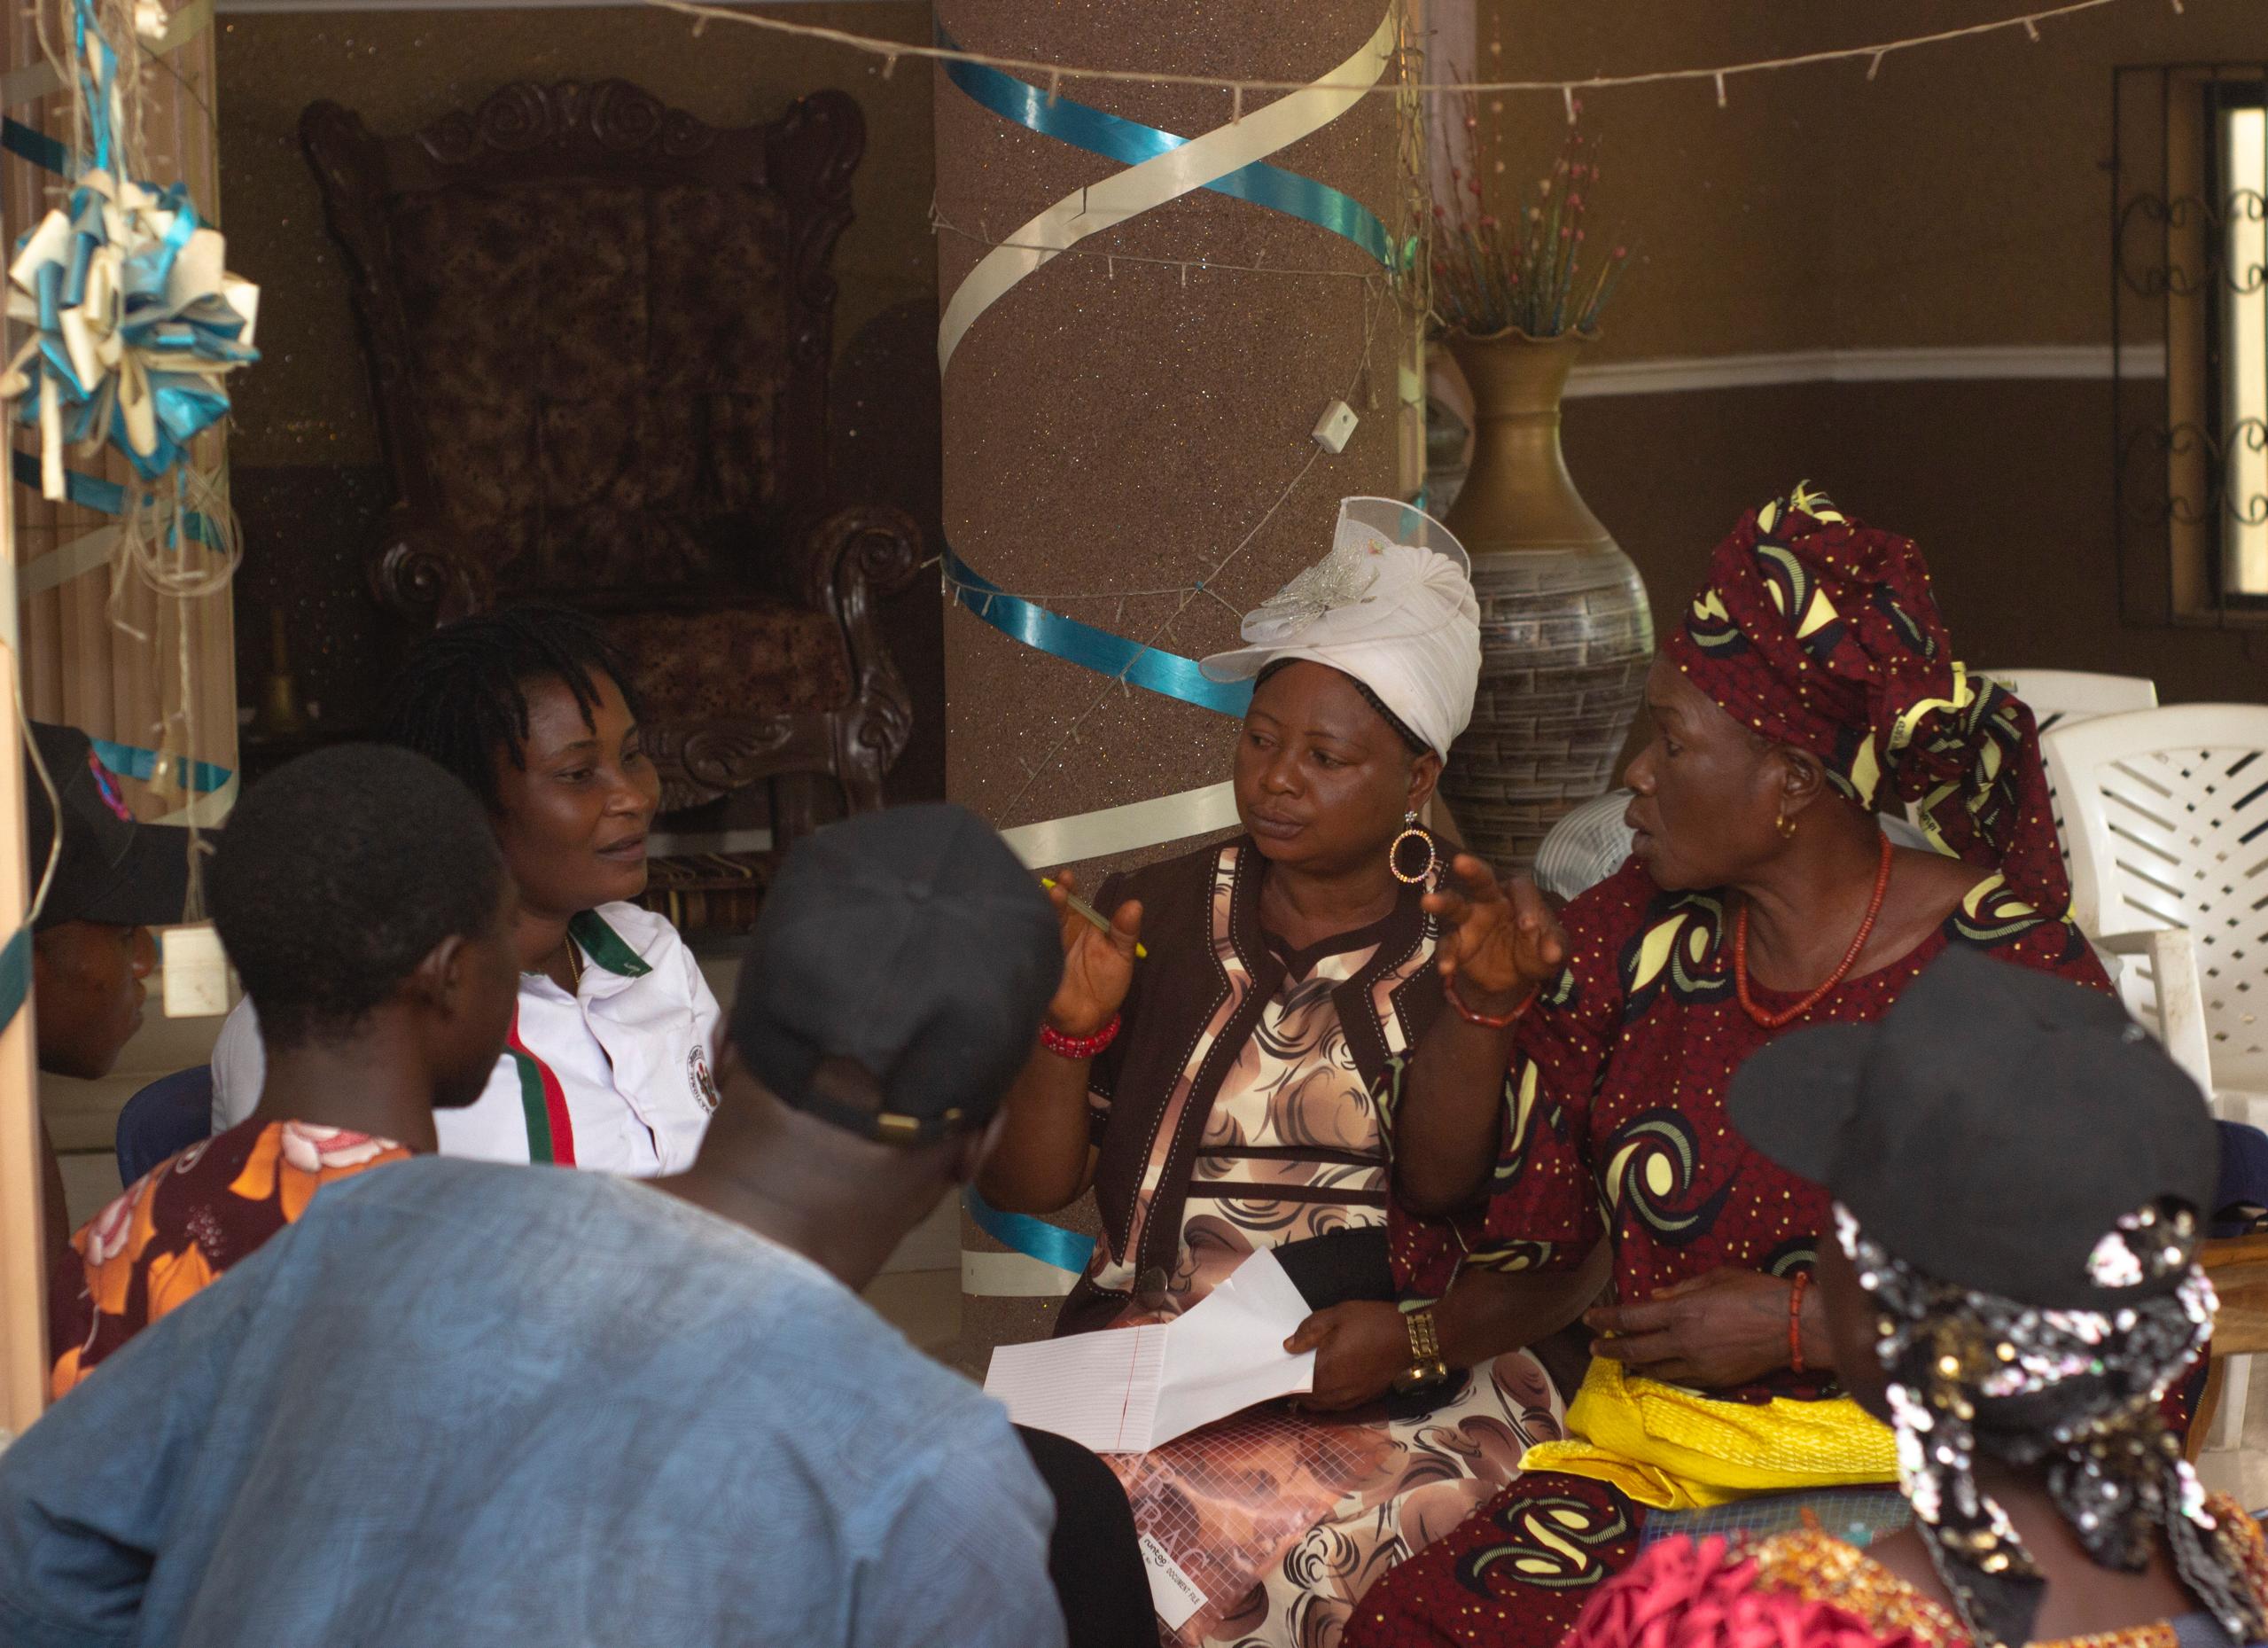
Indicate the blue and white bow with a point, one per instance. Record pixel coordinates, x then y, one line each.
136 323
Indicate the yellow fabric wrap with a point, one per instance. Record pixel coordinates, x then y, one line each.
1676 1450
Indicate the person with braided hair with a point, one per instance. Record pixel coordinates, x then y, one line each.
607 1064
2020 1362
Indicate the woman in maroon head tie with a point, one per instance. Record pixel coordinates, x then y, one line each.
1576 1096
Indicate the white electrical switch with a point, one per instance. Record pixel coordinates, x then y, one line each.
1335 427
196 971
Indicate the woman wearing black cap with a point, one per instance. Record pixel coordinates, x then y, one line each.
2020 1361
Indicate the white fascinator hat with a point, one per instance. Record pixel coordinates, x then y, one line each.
1392 606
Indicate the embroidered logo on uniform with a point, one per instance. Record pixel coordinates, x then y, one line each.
705 1085
106 787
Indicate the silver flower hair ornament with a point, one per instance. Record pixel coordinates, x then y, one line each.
1344 578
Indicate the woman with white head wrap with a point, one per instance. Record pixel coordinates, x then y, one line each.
1220 1097
1391 607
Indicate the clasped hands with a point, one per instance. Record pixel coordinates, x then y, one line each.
1722 1328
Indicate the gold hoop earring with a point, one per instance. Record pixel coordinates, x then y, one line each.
1785 825
1410 831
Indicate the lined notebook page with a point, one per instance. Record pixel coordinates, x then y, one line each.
1098 1389
1129 1390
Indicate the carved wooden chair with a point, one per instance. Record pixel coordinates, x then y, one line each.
598 335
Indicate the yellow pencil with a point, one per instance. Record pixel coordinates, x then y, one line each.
1090 912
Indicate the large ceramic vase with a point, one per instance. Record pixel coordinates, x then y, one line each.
1566 631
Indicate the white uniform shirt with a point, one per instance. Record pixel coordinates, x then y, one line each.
615 1077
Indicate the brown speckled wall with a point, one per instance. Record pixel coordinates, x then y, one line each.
1115 428
1955 201
1119 428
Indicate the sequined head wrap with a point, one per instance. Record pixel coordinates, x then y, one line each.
2075 1392
1817 632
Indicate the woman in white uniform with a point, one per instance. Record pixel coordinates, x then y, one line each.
607 1064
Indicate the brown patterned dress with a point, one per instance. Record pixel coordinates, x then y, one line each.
1236 1112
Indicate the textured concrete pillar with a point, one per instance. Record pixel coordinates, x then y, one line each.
1119 418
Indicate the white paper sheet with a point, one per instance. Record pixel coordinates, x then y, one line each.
1129 1390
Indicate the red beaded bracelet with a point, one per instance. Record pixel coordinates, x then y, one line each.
1486 1021
1796 1321
1078 1048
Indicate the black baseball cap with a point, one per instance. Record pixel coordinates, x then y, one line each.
911 943
113 869
1991 1130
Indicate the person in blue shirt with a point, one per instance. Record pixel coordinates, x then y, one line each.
465 1402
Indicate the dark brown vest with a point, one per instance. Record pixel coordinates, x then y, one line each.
1176 992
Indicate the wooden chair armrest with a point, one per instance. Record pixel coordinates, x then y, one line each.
426 574
873 550
2238 1269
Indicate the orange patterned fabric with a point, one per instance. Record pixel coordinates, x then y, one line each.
177 1229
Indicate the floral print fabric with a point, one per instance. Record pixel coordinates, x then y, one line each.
177 1229
1615 1123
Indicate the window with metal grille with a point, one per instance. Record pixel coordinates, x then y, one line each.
2189 296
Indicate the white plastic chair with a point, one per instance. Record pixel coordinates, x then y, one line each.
2167 829
2063 698
2057 696
2166 838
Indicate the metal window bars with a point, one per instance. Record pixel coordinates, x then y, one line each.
2189 323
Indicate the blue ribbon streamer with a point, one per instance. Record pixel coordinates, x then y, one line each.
37 147
131 761
15 975
1035 1238
107 497
94 86
1166 673
1131 143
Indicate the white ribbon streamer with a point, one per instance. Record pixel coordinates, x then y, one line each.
76 560
1011 1276
1153 182
1112 830
207 811
21 86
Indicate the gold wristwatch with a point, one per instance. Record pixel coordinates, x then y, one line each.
1426 1369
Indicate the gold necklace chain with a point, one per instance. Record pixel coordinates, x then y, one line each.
574 967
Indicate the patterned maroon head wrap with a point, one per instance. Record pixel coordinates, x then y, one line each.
1821 633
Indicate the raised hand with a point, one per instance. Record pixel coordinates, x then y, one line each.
1498 943
1098 965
